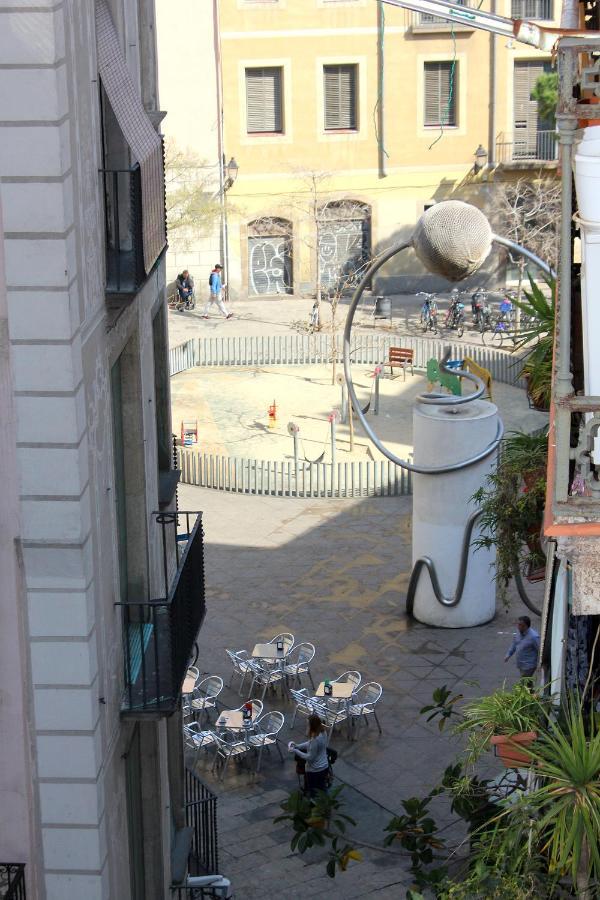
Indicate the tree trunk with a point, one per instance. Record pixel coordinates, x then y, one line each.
522 264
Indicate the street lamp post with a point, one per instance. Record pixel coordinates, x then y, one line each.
229 175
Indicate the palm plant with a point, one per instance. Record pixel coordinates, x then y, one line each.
538 336
559 819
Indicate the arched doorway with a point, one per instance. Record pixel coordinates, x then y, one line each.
344 242
270 256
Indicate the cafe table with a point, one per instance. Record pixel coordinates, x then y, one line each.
340 690
233 720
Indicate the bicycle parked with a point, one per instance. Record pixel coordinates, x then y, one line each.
455 317
481 310
429 312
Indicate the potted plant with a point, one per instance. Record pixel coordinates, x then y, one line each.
509 720
512 506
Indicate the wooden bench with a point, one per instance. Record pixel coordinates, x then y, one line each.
486 376
401 358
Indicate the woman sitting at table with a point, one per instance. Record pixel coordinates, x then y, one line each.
314 751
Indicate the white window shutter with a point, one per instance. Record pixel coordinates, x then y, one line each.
264 112
340 97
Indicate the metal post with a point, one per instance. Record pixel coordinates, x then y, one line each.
333 447
295 437
376 402
344 409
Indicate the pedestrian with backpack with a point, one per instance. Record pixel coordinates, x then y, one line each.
215 285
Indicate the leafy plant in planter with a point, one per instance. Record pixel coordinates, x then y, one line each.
512 505
539 338
506 718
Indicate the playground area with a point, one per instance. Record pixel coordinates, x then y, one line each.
230 408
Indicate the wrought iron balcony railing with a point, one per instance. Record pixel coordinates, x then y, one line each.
158 635
12 881
123 230
527 146
201 820
429 22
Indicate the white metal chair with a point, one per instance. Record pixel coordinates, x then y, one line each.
288 641
364 703
257 708
305 704
266 676
352 676
268 727
229 747
206 693
298 662
332 713
195 739
242 666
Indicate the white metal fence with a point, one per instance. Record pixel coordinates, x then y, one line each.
280 479
290 349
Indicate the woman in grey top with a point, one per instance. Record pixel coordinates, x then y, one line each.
314 751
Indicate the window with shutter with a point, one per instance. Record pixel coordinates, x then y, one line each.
264 109
441 87
429 19
340 85
531 9
527 122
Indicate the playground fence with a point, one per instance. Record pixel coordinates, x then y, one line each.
315 349
280 479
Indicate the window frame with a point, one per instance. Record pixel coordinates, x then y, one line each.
355 67
280 68
455 124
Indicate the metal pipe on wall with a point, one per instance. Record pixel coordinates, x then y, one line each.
381 88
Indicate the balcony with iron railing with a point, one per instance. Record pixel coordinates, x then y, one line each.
201 825
12 881
532 9
522 149
123 230
159 634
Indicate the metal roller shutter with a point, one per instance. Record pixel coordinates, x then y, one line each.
340 83
264 112
343 248
269 265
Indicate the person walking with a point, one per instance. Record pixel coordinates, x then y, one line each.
215 284
314 751
526 645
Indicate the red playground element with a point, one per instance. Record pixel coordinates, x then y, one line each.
189 432
272 413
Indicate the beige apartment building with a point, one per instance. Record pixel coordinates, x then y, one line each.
368 113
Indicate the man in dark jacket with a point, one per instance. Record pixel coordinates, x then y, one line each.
185 289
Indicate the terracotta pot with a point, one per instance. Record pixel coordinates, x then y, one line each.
507 748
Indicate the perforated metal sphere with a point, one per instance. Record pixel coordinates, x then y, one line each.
452 239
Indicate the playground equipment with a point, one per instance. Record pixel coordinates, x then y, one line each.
455 437
189 432
446 381
272 413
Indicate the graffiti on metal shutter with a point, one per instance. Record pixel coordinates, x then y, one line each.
269 265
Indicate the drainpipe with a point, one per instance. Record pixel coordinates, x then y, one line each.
492 101
381 89
220 141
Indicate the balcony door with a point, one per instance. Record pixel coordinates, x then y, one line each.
533 136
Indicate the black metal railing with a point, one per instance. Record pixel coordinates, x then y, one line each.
425 20
123 230
12 881
159 634
532 146
201 817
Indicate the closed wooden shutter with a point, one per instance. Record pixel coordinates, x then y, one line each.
526 119
264 112
441 86
340 92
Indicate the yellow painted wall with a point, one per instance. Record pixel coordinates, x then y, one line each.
302 36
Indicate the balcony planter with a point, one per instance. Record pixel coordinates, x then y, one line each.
508 748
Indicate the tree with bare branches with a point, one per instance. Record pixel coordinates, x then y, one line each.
192 195
528 213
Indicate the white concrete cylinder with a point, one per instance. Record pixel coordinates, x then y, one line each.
442 505
586 166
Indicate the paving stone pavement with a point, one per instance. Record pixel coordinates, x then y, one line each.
333 572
